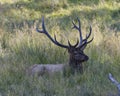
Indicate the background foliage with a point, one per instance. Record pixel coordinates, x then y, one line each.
21 46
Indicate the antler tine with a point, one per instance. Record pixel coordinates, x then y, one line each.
80 32
57 43
85 42
79 29
73 45
44 31
87 36
47 34
89 32
43 27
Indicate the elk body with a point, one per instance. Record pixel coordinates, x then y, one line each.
76 53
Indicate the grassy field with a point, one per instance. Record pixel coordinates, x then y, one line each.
21 46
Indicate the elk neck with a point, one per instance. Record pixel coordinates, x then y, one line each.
75 65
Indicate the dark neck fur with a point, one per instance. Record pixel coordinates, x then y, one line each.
75 65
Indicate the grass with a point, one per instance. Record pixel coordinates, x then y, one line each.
21 46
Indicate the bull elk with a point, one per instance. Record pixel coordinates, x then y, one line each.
76 53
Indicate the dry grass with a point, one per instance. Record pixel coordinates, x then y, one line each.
21 46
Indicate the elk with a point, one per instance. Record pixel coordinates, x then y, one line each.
76 52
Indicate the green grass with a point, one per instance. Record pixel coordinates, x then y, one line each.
21 46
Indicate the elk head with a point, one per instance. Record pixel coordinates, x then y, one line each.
76 52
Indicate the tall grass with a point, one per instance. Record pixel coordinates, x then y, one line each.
21 46
25 49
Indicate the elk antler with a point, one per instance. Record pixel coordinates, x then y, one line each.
54 40
83 42
47 34
81 45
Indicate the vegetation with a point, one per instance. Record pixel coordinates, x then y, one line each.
21 46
